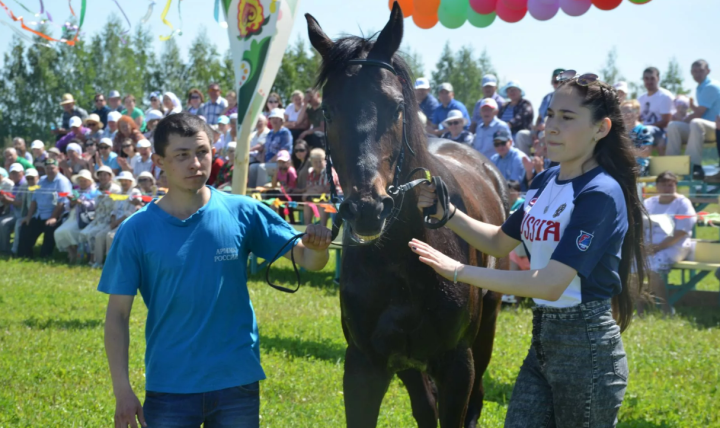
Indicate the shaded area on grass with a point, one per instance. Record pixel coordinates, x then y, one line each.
60 324
323 349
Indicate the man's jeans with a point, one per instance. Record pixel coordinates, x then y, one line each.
226 408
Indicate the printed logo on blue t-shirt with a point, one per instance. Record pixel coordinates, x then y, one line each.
583 241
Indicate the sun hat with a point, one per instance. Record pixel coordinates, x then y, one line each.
153 115
512 84
454 115
104 168
84 173
278 113
422 83
16 167
114 116
489 80
54 150
67 99
489 102
146 174
126 175
283 155
94 118
75 122
232 145
143 143
37 144
445 87
31 172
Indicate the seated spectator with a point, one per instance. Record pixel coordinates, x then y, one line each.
115 102
622 91
152 118
508 159
135 113
54 153
122 209
668 237
11 157
217 164
215 137
630 110
313 120
446 96
301 163
682 105
318 184
195 101
6 184
536 164
231 98
518 114
75 161
146 184
643 139
128 157
171 103
144 163
454 125
425 99
11 206
105 156
656 107
258 138
39 155
77 132
274 101
21 149
224 177
101 109
104 205
487 127
127 129
70 110
155 105
112 125
89 150
489 89
25 194
82 209
46 211
231 134
699 127
292 114
284 182
278 139
223 126
542 112
95 126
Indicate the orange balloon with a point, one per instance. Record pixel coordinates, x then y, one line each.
426 8
405 5
425 22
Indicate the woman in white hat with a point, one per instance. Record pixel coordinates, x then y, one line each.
171 103
455 125
95 126
278 139
152 117
82 209
104 205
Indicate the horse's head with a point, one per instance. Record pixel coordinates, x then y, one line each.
364 106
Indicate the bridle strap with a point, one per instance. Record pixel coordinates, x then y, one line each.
375 62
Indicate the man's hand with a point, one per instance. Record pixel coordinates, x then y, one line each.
127 408
317 238
538 164
26 220
51 222
528 164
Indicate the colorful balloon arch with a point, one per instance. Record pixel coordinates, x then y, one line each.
482 13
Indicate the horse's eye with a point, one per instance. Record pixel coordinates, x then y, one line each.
398 110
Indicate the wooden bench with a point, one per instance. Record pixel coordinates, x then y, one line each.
678 165
255 266
706 261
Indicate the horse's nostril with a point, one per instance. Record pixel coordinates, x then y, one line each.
387 206
348 210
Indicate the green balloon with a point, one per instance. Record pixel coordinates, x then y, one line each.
480 21
640 1
453 13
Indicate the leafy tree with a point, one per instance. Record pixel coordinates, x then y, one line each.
672 79
298 70
464 72
610 72
414 61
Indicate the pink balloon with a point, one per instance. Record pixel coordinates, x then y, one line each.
515 4
507 14
542 10
483 7
575 7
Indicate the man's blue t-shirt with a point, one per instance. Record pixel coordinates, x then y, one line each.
580 223
201 331
440 113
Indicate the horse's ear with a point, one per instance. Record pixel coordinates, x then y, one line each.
388 42
320 41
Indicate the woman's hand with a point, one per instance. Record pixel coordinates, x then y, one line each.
442 264
427 198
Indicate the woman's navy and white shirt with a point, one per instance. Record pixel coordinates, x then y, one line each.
580 223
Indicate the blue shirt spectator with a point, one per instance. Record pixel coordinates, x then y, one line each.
107 156
426 101
483 141
446 96
507 158
477 117
47 197
276 141
429 105
213 108
708 96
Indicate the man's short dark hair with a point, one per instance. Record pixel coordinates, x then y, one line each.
513 185
213 85
652 70
701 63
666 176
181 124
99 95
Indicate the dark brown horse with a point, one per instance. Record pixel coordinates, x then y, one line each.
398 316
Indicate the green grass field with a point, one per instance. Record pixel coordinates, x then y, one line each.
53 370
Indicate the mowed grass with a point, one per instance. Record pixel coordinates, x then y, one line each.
53 370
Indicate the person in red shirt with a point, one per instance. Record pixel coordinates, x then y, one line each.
218 163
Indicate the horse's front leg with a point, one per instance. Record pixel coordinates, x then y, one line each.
454 374
364 386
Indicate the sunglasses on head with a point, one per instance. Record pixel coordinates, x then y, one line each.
585 80
453 122
499 143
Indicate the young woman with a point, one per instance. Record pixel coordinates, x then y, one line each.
231 98
292 114
171 103
581 224
129 156
127 128
195 101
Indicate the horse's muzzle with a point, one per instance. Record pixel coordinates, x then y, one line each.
366 218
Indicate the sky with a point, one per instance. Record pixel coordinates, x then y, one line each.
527 51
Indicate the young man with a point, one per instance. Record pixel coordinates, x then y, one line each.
656 107
425 99
187 254
215 105
446 96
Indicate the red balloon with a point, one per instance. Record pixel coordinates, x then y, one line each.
405 5
426 8
483 7
425 22
515 4
606 4
507 14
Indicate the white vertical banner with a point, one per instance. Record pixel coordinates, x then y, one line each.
259 31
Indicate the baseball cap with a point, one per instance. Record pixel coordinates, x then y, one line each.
37 144
445 87
114 116
621 86
50 162
31 172
422 83
114 94
277 112
16 167
489 102
233 116
502 135
223 120
153 115
143 143
75 121
283 155
489 80
105 142
557 72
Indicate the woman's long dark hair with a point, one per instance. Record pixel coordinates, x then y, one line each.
616 154
297 164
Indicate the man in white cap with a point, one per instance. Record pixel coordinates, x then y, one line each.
77 132
21 149
70 110
488 126
11 204
112 124
489 90
145 164
105 156
622 91
37 148
82 206
114 101
427 102
446 96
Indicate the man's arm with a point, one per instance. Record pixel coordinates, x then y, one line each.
312 252
698 113
668 242
31 212
117 344
663 122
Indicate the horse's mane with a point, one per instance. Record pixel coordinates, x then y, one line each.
354 47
